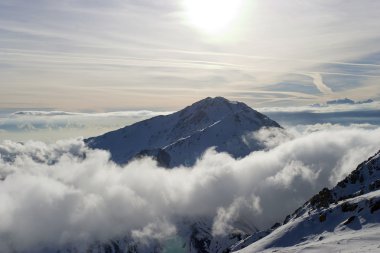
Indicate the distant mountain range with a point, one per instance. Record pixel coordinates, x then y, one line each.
182 137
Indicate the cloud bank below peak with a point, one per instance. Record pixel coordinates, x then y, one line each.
81 197
51 126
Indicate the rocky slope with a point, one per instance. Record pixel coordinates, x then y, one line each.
341 219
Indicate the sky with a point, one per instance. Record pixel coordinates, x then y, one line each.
101 56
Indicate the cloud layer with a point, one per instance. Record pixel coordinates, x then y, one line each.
63 193
50 126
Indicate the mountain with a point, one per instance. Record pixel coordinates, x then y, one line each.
345 218
182 137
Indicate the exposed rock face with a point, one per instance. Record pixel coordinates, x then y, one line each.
347 207
322 217
375 206
365 178
322 199
160 155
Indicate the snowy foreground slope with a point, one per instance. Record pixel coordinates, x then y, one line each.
182 137
343 219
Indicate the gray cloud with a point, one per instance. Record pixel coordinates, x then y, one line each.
63 193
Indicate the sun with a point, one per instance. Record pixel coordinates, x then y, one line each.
212 16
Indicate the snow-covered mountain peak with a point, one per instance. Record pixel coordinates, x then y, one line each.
180 138
212 109
220 103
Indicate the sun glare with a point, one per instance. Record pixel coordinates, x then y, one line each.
212 16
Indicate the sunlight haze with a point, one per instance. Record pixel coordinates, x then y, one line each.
132 55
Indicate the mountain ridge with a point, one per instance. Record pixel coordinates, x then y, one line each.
352 205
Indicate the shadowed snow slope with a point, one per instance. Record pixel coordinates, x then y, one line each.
182 137
345 218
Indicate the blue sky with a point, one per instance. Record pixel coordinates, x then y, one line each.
132 55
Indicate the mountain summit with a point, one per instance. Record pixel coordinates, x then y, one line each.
182 137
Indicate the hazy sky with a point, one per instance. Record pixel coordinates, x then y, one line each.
162 55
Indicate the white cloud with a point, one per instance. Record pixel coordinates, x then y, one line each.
64 193
269 137
224 217
159 230
321 86
132 114
239 211
292 171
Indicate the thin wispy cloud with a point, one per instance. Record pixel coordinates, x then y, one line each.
50 126
318 81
